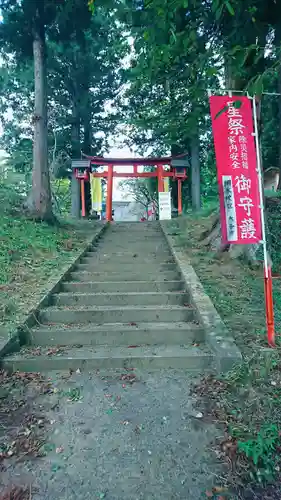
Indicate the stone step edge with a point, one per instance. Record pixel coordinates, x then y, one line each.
116 337
121 282
148 357
156 273
125 265
105 327
120 308
218 338
117 294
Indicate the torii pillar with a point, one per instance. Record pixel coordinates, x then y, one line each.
109 193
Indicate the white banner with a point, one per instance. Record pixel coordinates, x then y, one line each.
165 209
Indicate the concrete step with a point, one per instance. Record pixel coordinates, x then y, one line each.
141 267
129 257
141 240
118 334
111 314
133 275
137 230
136 247
138 225
122 244
122 286
143 226
89 358
120 299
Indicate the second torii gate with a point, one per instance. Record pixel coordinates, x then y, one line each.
81 170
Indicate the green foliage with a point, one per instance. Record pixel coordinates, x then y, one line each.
181 49
273 210
30 254
22 240
62 196
143 191
245 401
84 73
260 450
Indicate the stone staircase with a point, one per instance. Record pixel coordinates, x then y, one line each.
123 306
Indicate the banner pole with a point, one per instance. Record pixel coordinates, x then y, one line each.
269 309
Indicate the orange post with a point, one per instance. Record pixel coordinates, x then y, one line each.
83 203
109 193
269 309
160 178
179 198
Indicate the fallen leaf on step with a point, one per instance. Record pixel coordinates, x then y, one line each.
129 377
133 346
54 350
133 324
220 489
218 493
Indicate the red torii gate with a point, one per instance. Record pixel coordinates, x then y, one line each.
83 168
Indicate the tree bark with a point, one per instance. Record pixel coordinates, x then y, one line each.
40 202
75 128
86 113
195 173
87 140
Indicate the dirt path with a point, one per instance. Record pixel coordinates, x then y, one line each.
115 435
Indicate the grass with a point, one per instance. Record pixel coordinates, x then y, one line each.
32 257
245 402
235 289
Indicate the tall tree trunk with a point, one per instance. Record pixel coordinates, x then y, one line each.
75 128
76 154
86 114
41 199
87 141
195 173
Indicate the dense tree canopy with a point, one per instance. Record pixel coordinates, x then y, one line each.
176 51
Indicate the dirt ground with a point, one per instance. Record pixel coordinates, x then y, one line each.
114 435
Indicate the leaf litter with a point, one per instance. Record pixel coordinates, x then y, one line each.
22 425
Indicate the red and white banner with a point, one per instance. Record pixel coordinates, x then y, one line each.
235 150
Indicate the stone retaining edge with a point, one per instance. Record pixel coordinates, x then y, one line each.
21 335
217 335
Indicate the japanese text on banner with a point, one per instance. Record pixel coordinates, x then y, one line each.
236 164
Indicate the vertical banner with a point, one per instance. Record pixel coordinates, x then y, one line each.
238 181
165 207
166 182
96 193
